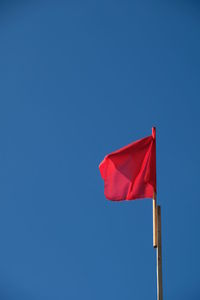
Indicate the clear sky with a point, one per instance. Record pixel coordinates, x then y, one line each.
80 79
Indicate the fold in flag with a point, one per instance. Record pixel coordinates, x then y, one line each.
130 172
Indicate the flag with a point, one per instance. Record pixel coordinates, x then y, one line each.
130 172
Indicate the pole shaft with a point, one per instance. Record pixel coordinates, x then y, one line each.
159 257
154 221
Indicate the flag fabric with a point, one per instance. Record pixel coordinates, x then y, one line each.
130 172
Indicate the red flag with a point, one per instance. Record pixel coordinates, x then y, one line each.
130 172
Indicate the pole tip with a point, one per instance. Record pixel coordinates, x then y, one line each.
154 132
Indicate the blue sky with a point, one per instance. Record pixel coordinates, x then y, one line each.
80 79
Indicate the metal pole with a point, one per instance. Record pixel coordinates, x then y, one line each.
159 256
154 221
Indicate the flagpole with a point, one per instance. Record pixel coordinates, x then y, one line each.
154 199
159 256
